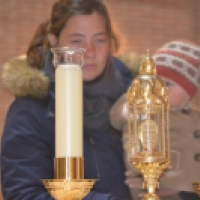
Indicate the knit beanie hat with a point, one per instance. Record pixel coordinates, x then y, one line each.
179 61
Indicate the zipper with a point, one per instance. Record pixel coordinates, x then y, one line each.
95 156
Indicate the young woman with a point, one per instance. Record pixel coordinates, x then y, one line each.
27 153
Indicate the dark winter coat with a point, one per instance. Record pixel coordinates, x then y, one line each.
27 153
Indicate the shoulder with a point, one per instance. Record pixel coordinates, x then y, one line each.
184 123
185 114
24 114
124 72
28 120
27 105
121 67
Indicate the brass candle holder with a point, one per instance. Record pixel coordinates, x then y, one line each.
148 126
68 182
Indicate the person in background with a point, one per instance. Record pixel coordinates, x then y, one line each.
178 64
27 145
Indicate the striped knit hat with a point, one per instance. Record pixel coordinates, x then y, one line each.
180 61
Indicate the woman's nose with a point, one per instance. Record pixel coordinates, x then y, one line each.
90 49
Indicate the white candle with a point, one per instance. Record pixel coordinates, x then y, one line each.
69 111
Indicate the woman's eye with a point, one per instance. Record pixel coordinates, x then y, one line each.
101 40
75 41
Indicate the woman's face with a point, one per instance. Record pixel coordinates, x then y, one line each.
89 32
179 98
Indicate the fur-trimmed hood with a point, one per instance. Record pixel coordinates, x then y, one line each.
20 79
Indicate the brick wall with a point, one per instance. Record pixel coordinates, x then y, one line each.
151 23
143 24
18 21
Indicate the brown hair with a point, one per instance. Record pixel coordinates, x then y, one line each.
61 12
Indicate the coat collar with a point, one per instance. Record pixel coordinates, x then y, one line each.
20 79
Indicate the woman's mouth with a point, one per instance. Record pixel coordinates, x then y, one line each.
88 66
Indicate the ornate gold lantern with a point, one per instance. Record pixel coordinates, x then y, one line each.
148 126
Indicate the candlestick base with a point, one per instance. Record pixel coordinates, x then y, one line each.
63 189
196 186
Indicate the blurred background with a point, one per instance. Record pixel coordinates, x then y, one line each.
142 25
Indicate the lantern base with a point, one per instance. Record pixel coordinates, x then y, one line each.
151 173
63 189
150 197
196 186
